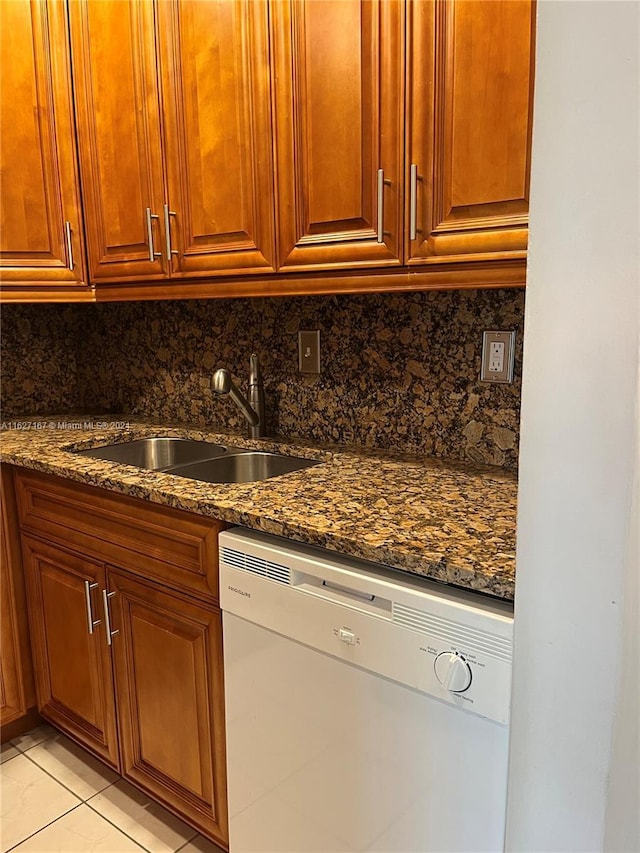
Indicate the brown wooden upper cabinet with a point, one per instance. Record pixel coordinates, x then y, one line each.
41 243
174 137
469 115
339 131
240 138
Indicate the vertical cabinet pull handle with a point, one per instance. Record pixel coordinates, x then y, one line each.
67 233
380 205
91 622
381 185
107 619
150 217
167 230
413 202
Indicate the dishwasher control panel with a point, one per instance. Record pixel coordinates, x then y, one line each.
448 644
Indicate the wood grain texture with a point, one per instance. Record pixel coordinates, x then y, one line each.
175 547
17 691
461 276
168 665
214 60
338 68
74 680
119 138
40 189
469 114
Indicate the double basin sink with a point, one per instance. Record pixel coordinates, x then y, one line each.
199 460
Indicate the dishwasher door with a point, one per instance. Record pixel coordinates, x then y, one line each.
324 752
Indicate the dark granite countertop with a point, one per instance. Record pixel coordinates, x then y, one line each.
446 521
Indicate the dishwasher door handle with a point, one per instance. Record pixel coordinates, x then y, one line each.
341 595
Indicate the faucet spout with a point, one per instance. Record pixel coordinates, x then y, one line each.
252 409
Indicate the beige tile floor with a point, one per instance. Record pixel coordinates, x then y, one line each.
56 798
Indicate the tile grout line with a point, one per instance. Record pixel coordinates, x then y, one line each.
188 841
46 826
33 745
115 825
83 802
51 776
95 811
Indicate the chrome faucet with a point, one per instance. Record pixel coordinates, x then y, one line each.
253 408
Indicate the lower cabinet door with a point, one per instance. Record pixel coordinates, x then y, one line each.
71 658
167 653
17 692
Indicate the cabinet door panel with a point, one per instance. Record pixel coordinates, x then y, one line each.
117 103
40 191
339 98
470 111
17 692
168 664
74 680
216 100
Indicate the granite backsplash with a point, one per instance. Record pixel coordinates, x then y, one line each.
399 371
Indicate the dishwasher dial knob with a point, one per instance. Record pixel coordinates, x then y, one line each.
452 671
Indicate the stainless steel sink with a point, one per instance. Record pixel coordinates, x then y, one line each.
156 454
246 467
199 460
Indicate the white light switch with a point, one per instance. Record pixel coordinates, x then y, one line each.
498 350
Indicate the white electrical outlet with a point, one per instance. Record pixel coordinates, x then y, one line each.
496 357
498 350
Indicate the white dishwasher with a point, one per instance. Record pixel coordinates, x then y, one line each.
366 710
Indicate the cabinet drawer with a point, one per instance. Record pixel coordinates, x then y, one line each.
172 546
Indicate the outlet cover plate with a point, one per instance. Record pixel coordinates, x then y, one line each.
498 350
309 352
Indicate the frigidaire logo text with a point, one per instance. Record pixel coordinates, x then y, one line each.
239 591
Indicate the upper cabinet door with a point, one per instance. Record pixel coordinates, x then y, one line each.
338 123
469 129
218 149
117 104
40 228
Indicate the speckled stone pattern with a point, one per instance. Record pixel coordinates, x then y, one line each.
449 522
38 346
399 371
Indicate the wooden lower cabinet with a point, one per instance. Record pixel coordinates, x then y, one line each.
128 657
167 658
17 692
72 666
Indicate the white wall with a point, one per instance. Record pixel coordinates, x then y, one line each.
622 831
579 430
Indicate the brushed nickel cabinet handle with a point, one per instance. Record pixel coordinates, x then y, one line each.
167 230
413 202
380 205
67 232
91 622
107 619
382 183
150 217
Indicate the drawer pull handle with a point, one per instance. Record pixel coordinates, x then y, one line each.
91 622
107 619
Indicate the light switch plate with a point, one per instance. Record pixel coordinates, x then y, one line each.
309 352
498 349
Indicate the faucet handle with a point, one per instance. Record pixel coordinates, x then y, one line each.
255 373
